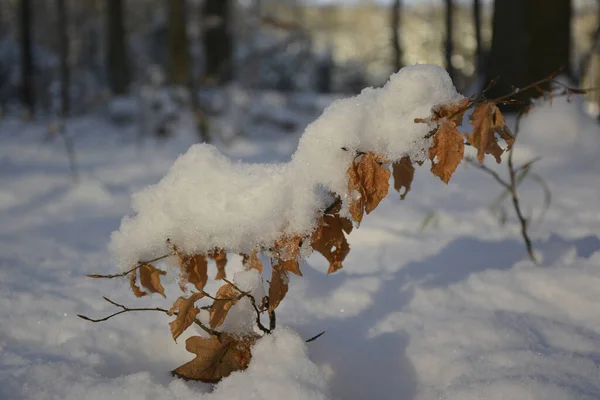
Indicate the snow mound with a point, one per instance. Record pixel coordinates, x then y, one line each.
208 201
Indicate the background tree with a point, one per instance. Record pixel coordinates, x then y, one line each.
118 68
478 38
63 41
218 44
449 44
179 60
531 39
27 72
396 14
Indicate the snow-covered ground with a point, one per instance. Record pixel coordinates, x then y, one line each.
450 309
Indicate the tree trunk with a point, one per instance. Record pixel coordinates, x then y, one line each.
64 57
531 40
218 44
179 60
118 68
449 47
478 40
395 25
27 73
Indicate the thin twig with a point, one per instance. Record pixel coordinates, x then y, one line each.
312 339
489 171
253 301
139 264
129 309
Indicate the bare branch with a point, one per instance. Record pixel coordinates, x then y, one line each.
139 264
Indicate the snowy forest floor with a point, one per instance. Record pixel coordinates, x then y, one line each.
437 299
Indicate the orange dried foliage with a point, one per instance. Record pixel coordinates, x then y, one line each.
193 269
150 279
220 257
371 180
216 357
186 313
488 120
252 261
329 240
226 297
278 287
404 173
447 151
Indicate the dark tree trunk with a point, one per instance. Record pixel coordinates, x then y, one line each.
478 40
64 57
118 68
27 75
396 14
449 44
531 40
218 43
179 60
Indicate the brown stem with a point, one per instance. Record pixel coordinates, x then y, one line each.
128 309
139 264
253 301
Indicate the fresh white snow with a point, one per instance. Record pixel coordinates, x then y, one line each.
451 311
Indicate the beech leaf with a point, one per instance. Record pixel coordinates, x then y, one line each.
287 252
225 298
193 269
278 287
488 120
220 257
252 261
150 279
404 173
446 152
186 313
216 357
329 240
371 180
134 287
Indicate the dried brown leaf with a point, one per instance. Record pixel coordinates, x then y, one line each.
220 257
403 172
453 112
252 261
193 269
370 179
134 287
225 298
488 120
446 152
216 357
186 313
286 252
278 286
329 240
150 279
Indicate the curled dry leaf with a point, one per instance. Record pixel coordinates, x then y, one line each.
452 112
252 261
447 151
278 286
329 240
134 287
404 173
193 269
488 120
220 257
150 279
287 252
226 297
369 178
216 357
186 313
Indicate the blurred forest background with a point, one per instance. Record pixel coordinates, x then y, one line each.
152 60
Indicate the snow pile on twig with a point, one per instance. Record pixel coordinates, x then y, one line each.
208 201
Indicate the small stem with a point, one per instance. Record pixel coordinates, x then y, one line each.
139 264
